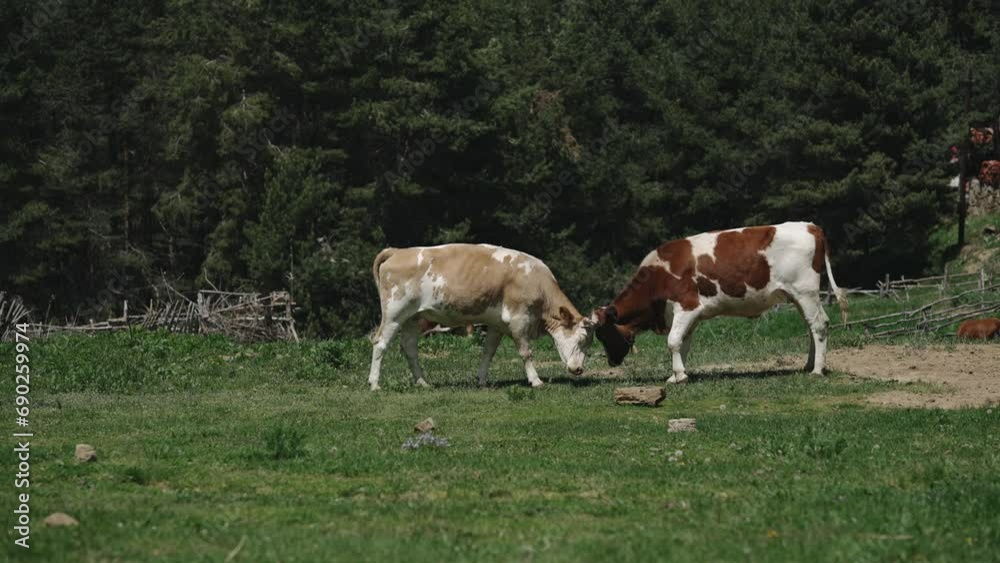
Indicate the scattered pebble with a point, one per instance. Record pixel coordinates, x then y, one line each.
681 425
60 519
85 453
424 426
426 439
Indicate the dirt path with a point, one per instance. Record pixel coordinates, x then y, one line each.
972 371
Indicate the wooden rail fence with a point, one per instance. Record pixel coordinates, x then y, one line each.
238 315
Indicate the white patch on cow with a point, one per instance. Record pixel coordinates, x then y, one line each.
502 254
420 257
431 286
526 266
398 299
505 314
703 244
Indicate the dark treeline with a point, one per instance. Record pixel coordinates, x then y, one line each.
264 144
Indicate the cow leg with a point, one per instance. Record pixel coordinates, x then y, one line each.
811 360
408 337
524 349
490 345
683 323
688 340
819 326
382 338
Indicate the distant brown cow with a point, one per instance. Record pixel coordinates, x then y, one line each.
980 328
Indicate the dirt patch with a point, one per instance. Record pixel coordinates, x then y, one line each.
970 373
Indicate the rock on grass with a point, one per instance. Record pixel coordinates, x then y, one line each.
681 425
85 453
60 519
650 396
424 426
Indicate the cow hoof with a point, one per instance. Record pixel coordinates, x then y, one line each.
421 383
809 368
817 372
678 378
375 387
536 383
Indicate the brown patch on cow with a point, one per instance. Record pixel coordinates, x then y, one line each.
643 302
679 255
821 247
738 261
982 329
645 297
706 287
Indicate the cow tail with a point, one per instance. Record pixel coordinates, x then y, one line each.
379 260
840 294
382 257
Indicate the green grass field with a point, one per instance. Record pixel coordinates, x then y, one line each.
215 451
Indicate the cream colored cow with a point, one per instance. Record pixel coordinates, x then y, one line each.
512 293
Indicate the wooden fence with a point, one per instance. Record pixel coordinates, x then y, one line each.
943 284
934 316
242 316
12 312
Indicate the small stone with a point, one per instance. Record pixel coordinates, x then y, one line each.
681 425
85 453
650 396
60 519
426 426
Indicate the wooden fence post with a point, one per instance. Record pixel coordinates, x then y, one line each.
202 310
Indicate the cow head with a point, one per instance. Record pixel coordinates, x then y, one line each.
573 335
617 339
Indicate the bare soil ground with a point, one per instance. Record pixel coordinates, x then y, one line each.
970 373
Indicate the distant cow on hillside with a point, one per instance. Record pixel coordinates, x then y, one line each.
738 272
983 329
510 292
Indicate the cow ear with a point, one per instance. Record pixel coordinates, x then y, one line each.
605 315
566 317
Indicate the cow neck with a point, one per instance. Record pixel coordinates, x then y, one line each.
635 305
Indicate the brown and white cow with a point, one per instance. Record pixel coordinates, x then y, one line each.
983 329
738 272
512 293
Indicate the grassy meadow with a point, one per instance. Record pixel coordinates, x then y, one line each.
211 450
